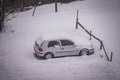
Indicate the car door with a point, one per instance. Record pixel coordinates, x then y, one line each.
67 47
54 46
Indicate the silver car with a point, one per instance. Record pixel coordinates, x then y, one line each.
57 47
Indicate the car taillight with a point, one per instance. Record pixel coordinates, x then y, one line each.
40 49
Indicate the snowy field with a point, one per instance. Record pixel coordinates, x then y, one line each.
17 39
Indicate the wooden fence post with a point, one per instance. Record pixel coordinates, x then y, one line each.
77 19
1 14
56 6
36 4
34 11
111 56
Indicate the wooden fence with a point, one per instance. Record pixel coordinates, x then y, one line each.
92 35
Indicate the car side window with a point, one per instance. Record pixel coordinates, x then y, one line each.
66 42
53 43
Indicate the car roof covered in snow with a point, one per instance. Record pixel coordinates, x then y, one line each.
75 38
47 37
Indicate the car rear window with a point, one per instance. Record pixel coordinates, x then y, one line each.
53 43
37 45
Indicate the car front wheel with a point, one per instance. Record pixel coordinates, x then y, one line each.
84 52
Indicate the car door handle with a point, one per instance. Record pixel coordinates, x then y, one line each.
74 46
62 48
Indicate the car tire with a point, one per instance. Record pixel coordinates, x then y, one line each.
48 56
84 51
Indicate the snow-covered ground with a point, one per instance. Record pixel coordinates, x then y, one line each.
16 42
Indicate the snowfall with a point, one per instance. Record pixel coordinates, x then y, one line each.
17 61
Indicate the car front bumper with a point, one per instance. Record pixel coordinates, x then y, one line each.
91 51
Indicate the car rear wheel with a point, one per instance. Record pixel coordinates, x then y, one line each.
84 52
48 56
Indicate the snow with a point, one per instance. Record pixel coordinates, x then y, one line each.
16 42
78 40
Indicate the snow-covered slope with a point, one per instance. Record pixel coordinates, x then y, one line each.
16 42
